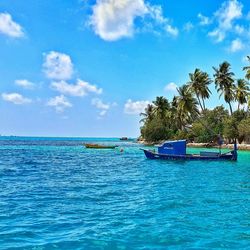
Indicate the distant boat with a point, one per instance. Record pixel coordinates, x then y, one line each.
126 139
99 146
176 150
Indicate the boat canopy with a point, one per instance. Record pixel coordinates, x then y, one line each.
173 147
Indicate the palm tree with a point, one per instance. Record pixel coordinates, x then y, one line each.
241 92
161 107
248 104
148 114
195 84
205 91
199 82
175 116
247 69
187 105
224 83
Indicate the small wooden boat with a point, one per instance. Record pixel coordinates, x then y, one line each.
99 146
176 150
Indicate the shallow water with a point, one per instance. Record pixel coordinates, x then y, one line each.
55 194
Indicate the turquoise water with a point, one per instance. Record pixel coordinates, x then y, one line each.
57 195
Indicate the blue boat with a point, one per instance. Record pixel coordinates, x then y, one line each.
176 150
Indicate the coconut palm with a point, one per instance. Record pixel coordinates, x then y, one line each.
247 69
224 83
161 107
248 104
175 114
187 105
195 84
241 92
148 114
205 91
199 82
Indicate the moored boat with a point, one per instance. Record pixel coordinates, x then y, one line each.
99 146
126 139
123 138
176 150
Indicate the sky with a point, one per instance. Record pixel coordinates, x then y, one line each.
88 68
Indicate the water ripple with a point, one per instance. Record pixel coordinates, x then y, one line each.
58 195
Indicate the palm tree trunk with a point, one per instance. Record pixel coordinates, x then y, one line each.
230 106
199 101
204 107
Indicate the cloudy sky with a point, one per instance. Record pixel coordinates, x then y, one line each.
89 67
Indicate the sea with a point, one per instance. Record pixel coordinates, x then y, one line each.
56 194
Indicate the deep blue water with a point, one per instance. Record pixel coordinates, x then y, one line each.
55 194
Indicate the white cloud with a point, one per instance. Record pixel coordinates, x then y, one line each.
218 34
229 11
171 30
81 88
136 107
103 112
113 20
9 27
59 103
155 11
16 98
25 83
236 45
188 26
171 87
239 29
225 16
58 66
99 104
204 20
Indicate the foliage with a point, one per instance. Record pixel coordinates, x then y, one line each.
148 114
247 69
244 128
239 115
224 83
210 125
230 130
183 134
241 92
155 131
186 106
181 118
199 82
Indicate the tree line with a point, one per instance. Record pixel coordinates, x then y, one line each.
187 117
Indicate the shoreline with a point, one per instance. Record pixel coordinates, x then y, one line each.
224 146
244 147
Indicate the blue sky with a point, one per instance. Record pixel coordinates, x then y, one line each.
88 68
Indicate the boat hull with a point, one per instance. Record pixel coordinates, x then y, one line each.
126 139
231 156
97 146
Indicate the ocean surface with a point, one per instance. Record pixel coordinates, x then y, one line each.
55 194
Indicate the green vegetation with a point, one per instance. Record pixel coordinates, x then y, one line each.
186 115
